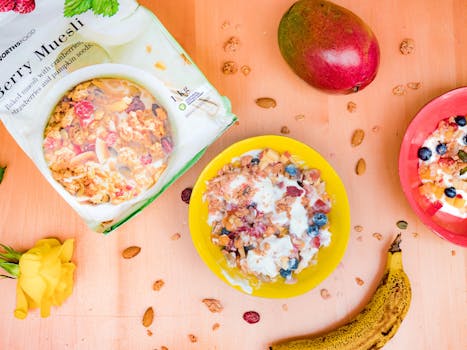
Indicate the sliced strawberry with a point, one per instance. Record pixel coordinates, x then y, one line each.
24 6
7 5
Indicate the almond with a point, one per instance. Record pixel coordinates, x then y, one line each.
131 252
266 102
148 317
361 167
357 137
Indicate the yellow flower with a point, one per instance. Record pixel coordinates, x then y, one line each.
45 276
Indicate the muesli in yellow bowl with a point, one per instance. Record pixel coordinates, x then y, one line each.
270 217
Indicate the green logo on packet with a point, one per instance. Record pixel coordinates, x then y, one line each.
182 106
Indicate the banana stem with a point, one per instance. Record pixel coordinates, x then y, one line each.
395 246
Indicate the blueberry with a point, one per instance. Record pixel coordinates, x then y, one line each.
424 153
293 263
224 231
460 120
312 230
255 161
252 205
441 148
291 170
285 273
465 139
450 192
320 219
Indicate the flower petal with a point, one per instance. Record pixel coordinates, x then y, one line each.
67 250
21 310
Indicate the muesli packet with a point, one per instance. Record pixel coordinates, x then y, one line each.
111 110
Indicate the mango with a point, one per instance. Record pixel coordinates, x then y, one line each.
328 46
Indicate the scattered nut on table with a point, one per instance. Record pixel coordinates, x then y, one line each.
407 46
229 68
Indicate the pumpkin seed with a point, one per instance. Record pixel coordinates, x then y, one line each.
402 224
463 171
462 155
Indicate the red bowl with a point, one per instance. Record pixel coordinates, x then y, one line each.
452 103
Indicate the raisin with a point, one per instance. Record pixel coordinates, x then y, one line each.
135 105
186 195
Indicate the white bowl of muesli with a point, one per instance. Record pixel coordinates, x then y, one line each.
270 217
433 165
107 135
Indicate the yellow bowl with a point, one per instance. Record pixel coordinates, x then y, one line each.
328 257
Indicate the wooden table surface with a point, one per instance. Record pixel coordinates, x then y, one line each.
111 294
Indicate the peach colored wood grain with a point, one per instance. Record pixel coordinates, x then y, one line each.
111 293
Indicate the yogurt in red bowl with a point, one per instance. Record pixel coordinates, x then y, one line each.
433 165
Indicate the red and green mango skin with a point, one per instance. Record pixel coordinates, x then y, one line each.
328 46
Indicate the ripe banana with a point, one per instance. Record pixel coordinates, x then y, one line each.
372 328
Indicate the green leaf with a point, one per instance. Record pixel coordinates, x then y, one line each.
11 268
10 255
105 7
2 172
75 7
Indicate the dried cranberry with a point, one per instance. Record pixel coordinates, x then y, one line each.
89 147
293 191
146 159
447 161
135 105
321 206
166 145
50 143
77 149
83 109
111 138
186 195
251 317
